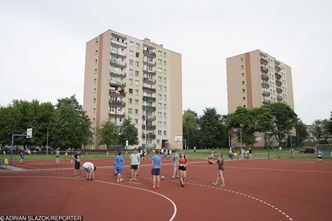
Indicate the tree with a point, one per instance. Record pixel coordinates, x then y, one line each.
301 132
191 128
212 130
108 134
243 122
71 126
283 120
129 132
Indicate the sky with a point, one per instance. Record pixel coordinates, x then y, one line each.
42 45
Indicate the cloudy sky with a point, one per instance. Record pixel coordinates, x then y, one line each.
42 44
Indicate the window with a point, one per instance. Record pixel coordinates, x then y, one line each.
165 115
165 89
165 133
131 53
243 90
165 124
136 73
243 98
94 90
165 106
159 132
165 72
136 92
136 101
136 82
130 111
136 111
160 79
159 70
137 55
159 123
130 91
241 59
137 64
159 96
94 100
242 82
131 62
137 45
165 80
164 54
242 66
95 81
94 110
136 121
131 72
244 106
165 98
130 100
159 53
165 63
159 114
160 61
242 74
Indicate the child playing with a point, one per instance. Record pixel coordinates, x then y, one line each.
183 168
90 170
119 166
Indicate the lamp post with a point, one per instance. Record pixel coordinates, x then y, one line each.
241 126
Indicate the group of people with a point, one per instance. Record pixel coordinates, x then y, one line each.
179 167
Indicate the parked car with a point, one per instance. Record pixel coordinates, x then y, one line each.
307 150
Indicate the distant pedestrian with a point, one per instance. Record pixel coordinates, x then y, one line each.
134 162
319 154
155 172
57 156
220 176
21 156
175 159
183 168
77 163
90 169
119 166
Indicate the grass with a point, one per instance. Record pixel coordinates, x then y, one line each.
199 154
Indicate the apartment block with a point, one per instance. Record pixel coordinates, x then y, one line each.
128 78
256 78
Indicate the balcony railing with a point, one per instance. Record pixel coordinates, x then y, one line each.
264 69
265 85
263 61
266 93
118 52
118 63
266 102
149 98
149 127
149 89
277 68
278 83
120 74
117 84
149 81
116 103
117 93
151 63
279 90
265 77
120 43
279 98
150 118
116 114
149 136
149 108
278 76
149 53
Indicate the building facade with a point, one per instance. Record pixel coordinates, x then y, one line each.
128 78
256 78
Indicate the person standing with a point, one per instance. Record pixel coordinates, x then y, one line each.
90 169
175 159
183 168
155 172
119 166
220 176
57 156
134 161
77 163
21 156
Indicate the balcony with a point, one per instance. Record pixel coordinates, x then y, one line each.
118 63
266 93
264 69
278 76
149 136
277 68
149 108
117 84
150 117
116 103
149 81
148 71
116 114
117 93
276 62
263 61
279 90
149 98
278 83
120 74
279 98
265 77
149 89
118 52
119 42
149 53
265 85
150 63
149 127
266 102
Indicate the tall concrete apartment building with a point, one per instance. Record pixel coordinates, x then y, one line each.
256 78
128 78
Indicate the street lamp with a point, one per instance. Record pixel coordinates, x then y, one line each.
241 126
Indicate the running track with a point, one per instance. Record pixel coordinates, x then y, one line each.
255 190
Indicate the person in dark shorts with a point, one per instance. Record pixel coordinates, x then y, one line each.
183 168
155 172
119 166
134 162
220 176
77 163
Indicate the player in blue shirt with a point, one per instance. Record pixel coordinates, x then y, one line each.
119 166
156 163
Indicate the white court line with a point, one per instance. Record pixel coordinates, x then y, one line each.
109 183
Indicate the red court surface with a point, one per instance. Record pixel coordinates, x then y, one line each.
255 190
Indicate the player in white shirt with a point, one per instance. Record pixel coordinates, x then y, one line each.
90 170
